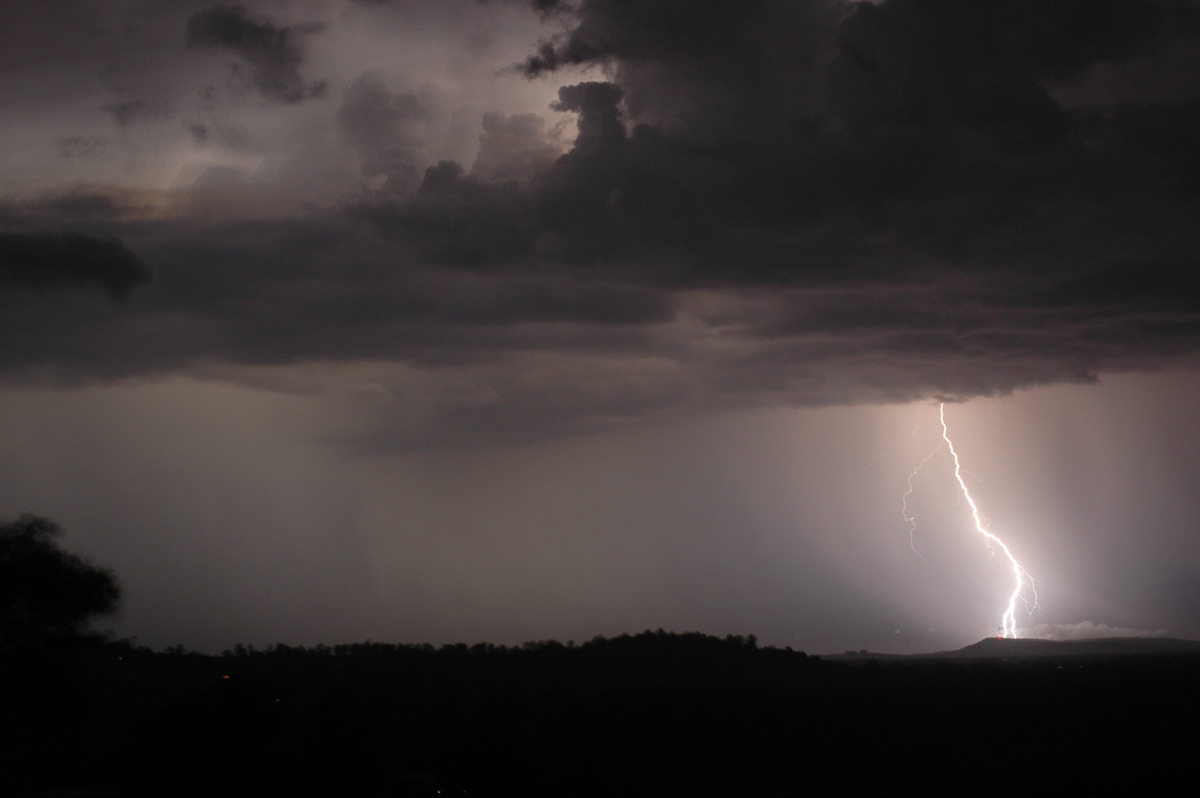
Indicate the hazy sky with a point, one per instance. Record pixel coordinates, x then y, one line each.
440 320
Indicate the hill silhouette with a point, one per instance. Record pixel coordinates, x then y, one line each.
991 647
997 648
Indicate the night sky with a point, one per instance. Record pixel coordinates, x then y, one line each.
453 320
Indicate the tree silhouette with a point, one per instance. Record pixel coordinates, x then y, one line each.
46 593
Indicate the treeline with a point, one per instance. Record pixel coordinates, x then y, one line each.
649 640
651 660
657 641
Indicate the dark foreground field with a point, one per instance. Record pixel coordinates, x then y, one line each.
653 714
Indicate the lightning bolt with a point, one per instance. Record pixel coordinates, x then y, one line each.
877 457
909 516
1021 577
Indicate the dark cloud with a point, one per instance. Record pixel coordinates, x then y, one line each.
931 219
73 148
945 68
1063 38
771 202
216 134
94 210
131 112
716 70
599 119
924 108
560 215
513 148
545 6
48 260
272 53
86 204
963 238
456 219
278 293
384 127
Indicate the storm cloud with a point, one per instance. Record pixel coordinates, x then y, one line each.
272 53
52 260
781 203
